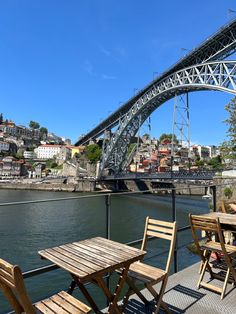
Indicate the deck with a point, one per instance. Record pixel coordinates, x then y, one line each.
182 296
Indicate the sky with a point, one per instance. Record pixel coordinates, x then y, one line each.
68 64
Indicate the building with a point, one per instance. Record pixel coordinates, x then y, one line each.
48 151
29 154
10 167
4 146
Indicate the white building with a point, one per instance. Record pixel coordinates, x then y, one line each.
48 151
29 154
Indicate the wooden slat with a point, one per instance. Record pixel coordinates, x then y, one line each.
80 263
43 308
160 222
63 303
112 253
99 253
125 249
75 302
160 229
90 254
211 287
81 254
80 258
7 276
6 266
62 264
117 244
159 235
54 307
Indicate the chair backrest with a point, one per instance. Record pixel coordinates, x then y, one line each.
13 287
225 207
211 226
163 230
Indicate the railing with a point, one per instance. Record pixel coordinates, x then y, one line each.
107 197
181 175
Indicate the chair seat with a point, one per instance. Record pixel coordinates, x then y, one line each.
146 273
62 303
216 246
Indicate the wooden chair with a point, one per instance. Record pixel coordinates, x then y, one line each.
212 227
225 207
150 275
13 287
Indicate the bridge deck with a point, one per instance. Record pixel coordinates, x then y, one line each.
182 296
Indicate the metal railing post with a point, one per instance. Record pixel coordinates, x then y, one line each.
108 215
173 194
214 197
108 231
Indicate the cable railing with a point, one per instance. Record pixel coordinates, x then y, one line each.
173 193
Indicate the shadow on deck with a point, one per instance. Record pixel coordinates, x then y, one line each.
182 296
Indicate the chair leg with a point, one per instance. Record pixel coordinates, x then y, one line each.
157 296
225 283
132 287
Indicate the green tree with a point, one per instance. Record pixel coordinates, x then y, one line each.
44 130
34 125
216 162
167 136
93 153
228 148
1 118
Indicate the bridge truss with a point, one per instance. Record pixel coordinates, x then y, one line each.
217 47
218 75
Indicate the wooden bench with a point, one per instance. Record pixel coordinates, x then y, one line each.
13 287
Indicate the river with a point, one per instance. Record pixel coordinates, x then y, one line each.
27 228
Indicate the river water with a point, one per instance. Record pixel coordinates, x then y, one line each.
27 228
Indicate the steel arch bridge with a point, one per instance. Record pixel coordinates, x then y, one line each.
217 75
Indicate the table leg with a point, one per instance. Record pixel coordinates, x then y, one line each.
113 298
88 297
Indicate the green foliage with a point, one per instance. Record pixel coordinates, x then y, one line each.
131 147
167 136
228 192
34 125
216 162
199 163
93 153
44 130
228 148
1 118
51 163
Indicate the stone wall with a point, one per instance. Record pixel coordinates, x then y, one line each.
222 182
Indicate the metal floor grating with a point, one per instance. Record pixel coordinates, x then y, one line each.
182 296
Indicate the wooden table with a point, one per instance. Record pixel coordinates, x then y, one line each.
90 260
227 220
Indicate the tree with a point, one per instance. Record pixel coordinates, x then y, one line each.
228 148
93 153
44 130
168 136
1 118
216 162
34 125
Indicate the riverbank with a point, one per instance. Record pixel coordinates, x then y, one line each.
81 186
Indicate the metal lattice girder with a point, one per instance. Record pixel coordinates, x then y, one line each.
218 75
217 47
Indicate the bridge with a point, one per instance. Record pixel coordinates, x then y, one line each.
168 175
203 68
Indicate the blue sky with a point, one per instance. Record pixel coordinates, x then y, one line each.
67 64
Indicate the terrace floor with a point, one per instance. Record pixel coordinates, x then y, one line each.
182 296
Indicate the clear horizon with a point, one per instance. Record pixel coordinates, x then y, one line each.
69 65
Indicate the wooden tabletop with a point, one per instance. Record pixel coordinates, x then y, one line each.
93 257
226 219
